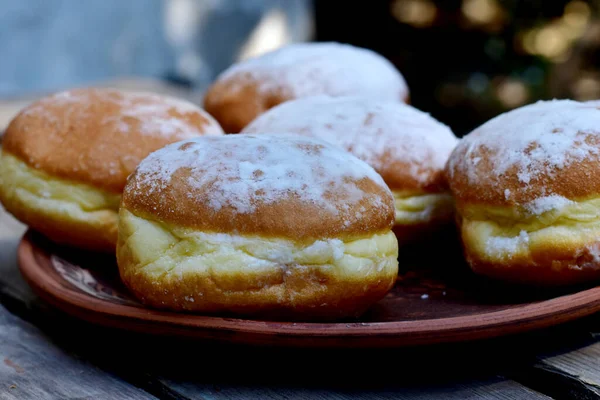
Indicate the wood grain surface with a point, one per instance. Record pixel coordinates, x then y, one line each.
492 389
31 367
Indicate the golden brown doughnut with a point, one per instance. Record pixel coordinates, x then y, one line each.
527 188
279 225
407 147
249 88
66 157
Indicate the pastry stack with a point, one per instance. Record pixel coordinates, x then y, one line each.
297 187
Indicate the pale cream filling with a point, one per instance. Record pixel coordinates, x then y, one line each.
502 233
159 248
421 208
24 186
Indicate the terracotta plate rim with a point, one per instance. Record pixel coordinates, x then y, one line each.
542 314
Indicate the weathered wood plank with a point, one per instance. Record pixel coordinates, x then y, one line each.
32 367
492 389
555 382
10 233
448 372
570 368
10 228
76 340
582 364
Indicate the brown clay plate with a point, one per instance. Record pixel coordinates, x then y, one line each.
427 306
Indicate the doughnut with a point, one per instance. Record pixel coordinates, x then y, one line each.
407 147
527 191
277 226
65 158
248 88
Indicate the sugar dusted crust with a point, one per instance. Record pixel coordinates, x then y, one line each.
283 186
98 136
539 153
170 267
407 147
247 89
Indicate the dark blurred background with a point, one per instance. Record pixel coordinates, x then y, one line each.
468 60
465 60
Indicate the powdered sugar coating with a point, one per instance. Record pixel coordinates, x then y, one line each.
305 69
97 136
238 172
499 246
529 145
595 103
545 204
378 132
143 112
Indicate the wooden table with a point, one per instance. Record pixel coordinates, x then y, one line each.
47 355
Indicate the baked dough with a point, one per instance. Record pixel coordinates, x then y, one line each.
251 87
407 147
280 226
65 158
527 190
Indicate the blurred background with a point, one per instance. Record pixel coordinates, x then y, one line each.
464 60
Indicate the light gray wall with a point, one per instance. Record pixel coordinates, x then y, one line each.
50 44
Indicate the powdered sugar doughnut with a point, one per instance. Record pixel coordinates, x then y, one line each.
527 193
66 157
257 224
249 88
407 147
